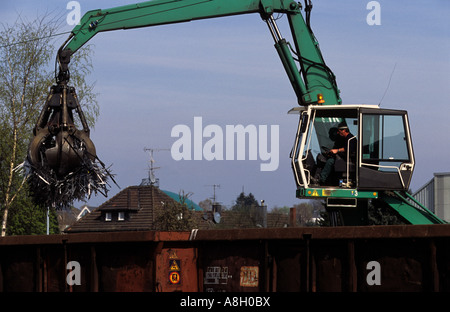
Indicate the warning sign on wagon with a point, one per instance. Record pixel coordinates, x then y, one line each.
174 271
174 277
249 276
174 265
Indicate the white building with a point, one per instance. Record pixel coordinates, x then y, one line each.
435 195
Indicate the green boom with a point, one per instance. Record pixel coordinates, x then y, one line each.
303 63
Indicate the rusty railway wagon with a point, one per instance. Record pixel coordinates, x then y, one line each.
341 259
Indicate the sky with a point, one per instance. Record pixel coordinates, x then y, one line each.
226 71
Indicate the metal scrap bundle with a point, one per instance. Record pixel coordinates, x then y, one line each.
50 190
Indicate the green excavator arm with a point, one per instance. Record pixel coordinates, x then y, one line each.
312 80
303 62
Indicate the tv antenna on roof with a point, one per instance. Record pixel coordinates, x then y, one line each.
152 179
216 208
214 190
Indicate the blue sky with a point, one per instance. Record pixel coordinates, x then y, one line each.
227 71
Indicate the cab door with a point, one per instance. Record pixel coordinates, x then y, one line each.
386 153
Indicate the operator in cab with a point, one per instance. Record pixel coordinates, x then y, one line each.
342 143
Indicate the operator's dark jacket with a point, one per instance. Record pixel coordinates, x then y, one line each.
342 142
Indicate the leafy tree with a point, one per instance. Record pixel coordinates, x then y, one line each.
175 216
27 61
27 219
245 202
248 209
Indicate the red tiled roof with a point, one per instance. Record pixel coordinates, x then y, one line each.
138 203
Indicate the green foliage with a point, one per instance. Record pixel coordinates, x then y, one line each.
31 220
25 218
244 202
248 213
175 216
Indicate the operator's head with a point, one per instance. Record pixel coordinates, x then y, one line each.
343 129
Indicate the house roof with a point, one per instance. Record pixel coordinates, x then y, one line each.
139 206
239 220
138 202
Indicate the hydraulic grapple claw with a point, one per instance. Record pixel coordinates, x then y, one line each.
61 158
57 143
